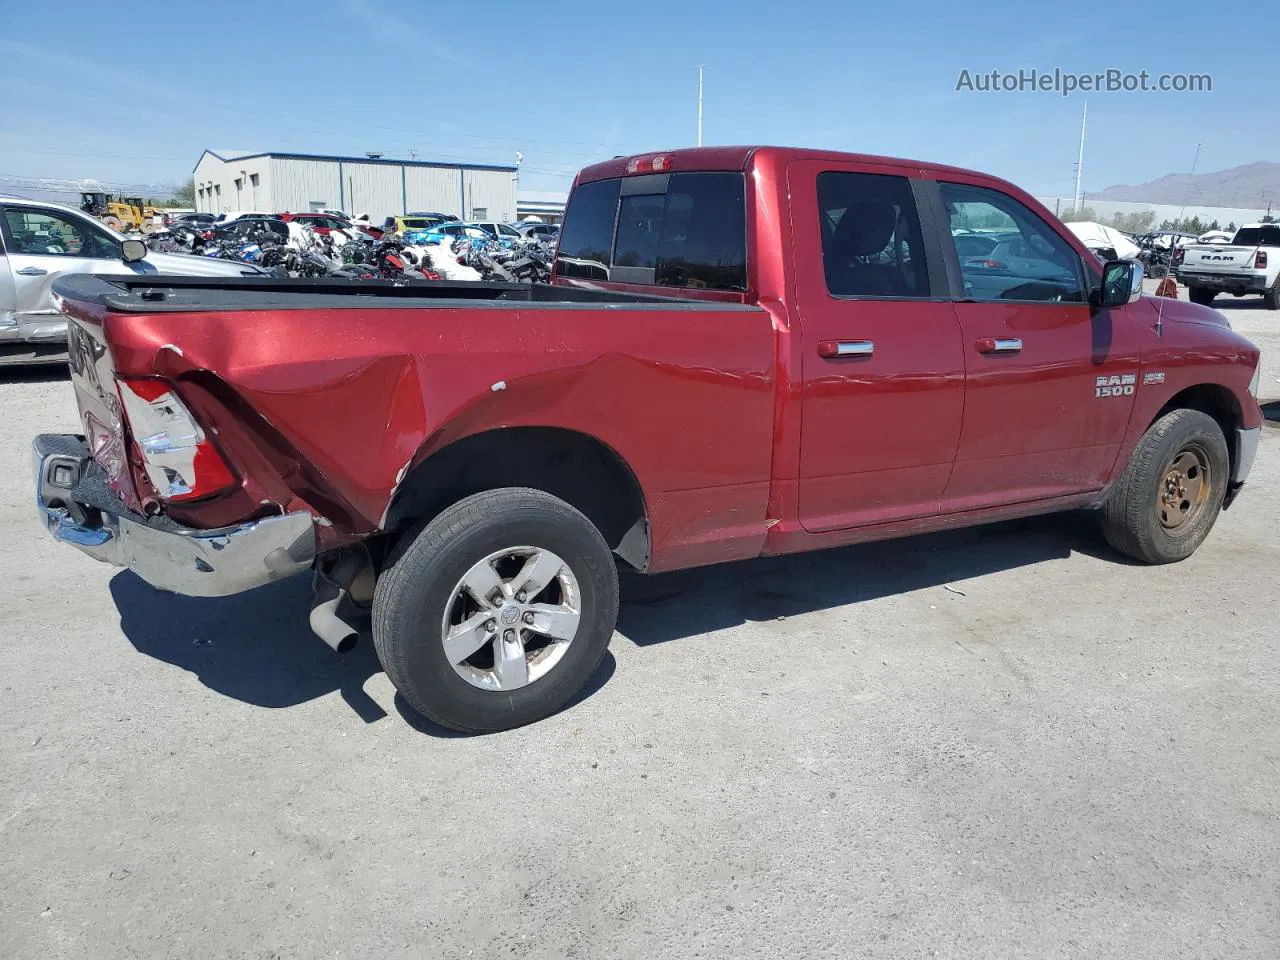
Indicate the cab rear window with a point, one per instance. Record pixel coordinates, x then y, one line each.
1257 236
671 230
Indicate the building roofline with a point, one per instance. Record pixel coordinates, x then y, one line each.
333 157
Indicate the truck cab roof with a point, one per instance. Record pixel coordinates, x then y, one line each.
740 157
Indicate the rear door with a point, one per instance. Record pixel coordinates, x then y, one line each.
882 365
1050 380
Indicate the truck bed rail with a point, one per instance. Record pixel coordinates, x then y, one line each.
172 294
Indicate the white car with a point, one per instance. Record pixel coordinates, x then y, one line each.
503 231
1097 236
40 242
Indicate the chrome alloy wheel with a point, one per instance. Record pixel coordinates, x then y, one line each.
511 618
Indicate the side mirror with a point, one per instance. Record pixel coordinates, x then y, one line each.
1121 283
131 251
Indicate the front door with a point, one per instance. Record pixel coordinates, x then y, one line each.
43 244
1050 380
8 296
883 370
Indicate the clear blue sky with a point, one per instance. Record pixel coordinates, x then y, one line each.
569 83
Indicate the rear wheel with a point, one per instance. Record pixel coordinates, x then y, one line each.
1166 501
497 612
1271 299
1201 295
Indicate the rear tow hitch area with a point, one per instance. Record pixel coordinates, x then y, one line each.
76 504
341 607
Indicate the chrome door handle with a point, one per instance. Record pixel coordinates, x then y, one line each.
999 345
829 349
31 272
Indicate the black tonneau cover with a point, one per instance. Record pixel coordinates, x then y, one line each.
164 294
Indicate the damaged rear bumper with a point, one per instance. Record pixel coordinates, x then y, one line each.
197 563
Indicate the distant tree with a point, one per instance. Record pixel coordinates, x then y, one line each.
992 219
1231 227
1268 219
185 195
1138 222
1185 225
1077 214
1214 226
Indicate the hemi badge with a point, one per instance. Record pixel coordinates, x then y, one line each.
1152 378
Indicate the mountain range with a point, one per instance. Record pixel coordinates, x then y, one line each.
68 191
1254 185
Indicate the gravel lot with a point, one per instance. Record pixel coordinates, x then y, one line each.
1001 742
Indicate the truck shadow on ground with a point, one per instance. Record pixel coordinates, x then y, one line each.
256 647
1226 302
34 373
665 607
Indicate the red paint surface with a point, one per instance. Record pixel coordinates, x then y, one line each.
744 439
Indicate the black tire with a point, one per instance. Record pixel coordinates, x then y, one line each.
410 600
1132 514
1271 299
1201 295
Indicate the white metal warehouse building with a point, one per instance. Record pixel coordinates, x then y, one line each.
301 182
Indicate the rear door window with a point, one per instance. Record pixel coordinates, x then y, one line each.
672 230
871 240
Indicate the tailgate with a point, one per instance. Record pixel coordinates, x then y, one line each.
93 378
1219 258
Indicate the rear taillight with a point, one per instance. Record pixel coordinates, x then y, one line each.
1179 254
994 265
181 463
1260 260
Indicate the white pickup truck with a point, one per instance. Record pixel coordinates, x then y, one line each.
1249 264
40 242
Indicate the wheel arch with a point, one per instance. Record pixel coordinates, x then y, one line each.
569 464
1213 400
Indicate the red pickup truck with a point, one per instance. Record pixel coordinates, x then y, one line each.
745 351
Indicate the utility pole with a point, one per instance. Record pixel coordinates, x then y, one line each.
700 104
1080 160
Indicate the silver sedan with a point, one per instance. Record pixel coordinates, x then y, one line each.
40 242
